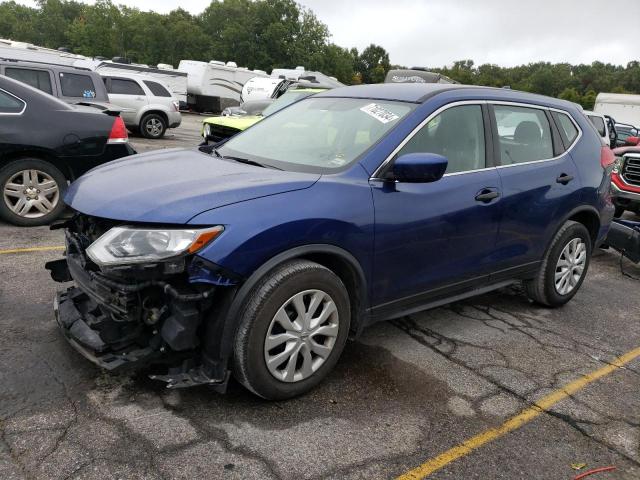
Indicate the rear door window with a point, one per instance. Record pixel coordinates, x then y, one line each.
524 134
10 104
157 89
121 86
77 85
40 79
458 134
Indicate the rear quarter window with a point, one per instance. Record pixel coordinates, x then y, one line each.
598 122
10 104
77 85
568 130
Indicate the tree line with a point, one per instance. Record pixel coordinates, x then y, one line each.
266 34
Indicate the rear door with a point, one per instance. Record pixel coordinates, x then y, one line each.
539 180
127 93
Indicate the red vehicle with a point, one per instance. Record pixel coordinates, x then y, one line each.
625 180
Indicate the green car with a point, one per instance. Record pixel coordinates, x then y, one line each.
216 129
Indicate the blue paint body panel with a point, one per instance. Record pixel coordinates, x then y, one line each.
408 238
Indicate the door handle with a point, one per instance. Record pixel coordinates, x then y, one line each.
486 195
564 179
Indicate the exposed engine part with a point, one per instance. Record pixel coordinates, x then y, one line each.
180 328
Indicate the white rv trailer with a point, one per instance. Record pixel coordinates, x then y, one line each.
624 108
176 80
32 53
213 86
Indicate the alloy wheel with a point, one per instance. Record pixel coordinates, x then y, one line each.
154 127
31 193
301 336
570 266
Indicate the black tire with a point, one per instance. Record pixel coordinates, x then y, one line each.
7 172
269 295
153 126
618 212
542 289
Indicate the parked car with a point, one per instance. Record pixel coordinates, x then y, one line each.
152 108
352 206
625 180
217 129
605 125
69 84
45 143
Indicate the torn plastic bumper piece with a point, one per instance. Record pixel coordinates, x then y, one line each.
87 341
624 236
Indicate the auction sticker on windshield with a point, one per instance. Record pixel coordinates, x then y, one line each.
379 113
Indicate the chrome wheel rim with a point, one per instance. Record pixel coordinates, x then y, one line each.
301 336
154 127
570 266
31 193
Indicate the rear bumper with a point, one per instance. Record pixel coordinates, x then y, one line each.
175 119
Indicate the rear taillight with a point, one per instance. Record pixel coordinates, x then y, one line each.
118 132
176 105
607 158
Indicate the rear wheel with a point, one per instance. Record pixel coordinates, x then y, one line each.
293 329
153 126
32 192
563 268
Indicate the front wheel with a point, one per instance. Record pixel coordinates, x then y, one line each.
563 268
293 329
32 192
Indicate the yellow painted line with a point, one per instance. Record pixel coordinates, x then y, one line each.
528 414
30 249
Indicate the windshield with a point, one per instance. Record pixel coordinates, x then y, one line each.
317 134
287 99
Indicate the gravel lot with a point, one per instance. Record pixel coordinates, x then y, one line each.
405 392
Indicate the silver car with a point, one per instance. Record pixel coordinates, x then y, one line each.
149 107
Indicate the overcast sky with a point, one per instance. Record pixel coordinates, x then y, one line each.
438 32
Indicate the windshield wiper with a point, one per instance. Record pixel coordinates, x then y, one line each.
246 161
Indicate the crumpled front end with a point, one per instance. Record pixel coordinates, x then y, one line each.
144 315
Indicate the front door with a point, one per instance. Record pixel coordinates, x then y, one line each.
437 238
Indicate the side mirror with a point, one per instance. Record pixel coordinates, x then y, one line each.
419 167
632 141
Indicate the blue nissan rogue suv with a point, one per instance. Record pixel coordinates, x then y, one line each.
258 257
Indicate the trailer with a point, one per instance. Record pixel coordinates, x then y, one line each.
32 53
213 86
625 108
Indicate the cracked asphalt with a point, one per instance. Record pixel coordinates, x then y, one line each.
405 392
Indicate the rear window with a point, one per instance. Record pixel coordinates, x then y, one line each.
77 85
598 122
10 104
121 86
157 89
39 79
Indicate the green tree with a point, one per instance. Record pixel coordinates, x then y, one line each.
373 64
570 94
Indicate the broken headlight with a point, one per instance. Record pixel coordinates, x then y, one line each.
128 245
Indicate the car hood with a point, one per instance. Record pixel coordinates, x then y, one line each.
172 186
239 123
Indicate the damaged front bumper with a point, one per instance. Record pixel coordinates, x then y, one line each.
148 316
